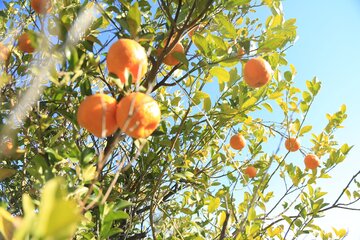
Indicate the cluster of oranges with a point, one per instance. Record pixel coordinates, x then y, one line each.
311 161
136 114
24 40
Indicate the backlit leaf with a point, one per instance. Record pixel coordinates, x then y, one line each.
213 204
6 173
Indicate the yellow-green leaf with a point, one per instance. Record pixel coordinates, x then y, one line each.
58 215
340 233
267 106
134 19
249 103
252 214
213 204
7 224
221 218
305 129
221 74
88 173
275 95
6 172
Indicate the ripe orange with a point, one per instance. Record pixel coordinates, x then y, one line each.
251 171
237 142
257 72
7 147
138 115
196 29
241 52
125 57
97 114
41 6
292 144
4 53
311 161
170 59
24 43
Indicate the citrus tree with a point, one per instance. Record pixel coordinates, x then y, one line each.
160 120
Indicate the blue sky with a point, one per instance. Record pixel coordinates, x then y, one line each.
328 47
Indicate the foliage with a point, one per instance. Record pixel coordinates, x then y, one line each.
184 181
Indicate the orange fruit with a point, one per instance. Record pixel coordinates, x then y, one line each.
4 53
292 144
138 115
241 52
41 6
257 72
311 161
237 142
170 59
125 57
199 27
251 171
97 114
24 43
7 147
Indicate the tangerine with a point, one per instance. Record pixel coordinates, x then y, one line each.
8 147
138 115
4 53
237 142
24 43
251 171
257 72
292 144
41 6
198 28
170 58
97 114
311 161
241 52
127 56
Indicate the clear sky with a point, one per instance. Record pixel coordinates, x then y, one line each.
328 47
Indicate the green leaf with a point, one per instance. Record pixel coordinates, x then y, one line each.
110 213
6 173
133 19
225 26
123 204
305 129
348 193
72 56
267 106
182 58
304 106
218 42
87 155
298 222
85 87
288 76
205 98
307 96
201 43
